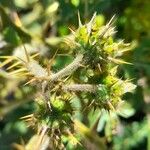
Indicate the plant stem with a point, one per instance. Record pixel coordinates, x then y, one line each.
80 87
68 69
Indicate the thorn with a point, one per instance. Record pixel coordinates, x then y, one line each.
14 65
89 25
16 19
33 56
125 50
111 106
6 57
111 20
50 63
129 80
49 106
63 54
28 120
27 116
17 71
73 32
21 60
22 74
91 103
66 79
5 62
93 17
119 61
32 80
79 19
81 65
99 67
26 53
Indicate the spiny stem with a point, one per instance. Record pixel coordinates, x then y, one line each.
68 69
80 87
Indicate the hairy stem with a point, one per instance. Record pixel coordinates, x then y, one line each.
80 87
68 69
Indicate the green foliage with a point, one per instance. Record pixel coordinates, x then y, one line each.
71 85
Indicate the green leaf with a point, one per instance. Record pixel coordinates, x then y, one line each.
125 110
11 36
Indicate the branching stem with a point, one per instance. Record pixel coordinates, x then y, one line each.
68 69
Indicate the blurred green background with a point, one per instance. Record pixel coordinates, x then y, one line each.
43 24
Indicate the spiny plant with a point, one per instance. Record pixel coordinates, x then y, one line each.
90 77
